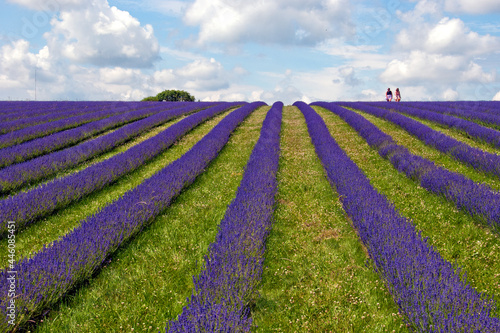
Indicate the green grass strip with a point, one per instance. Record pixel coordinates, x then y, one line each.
417 147
99 158
148 281
315 278
457 236
459 135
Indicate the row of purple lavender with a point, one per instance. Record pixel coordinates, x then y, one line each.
26 207
14 136
479 200
447 109
25 121
20 174
48 143
492 107
440 115
47 276
27 109
233 267
432 296
474 157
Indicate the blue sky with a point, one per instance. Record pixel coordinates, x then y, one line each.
266 50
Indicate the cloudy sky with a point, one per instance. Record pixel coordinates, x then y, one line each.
266 50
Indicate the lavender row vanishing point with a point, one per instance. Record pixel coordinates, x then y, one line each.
492 107
432 296
474 157
25 207
46 277
438 115
37 147
25 121
20 174
13 110
477 199
32 132
233 267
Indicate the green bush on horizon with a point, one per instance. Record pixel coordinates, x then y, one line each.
171 96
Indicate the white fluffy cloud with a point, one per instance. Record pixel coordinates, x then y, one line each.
81 34
472 6
281 21
93 32
421 67
17 61
440 53
18 67
450 95
50 5
199 75
431 7
102 35
205 78
448 36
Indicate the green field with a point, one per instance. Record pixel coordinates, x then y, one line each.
318 276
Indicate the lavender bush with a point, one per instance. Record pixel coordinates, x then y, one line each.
30 149
478 200
233 266
25 207
32 132
492 107
432 295
46 277
477 158
24 120
12 110
17 175
439 114
27 109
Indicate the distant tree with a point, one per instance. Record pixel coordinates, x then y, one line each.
171 96
150 99
175 96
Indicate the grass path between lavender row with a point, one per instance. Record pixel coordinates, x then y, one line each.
129 144
417 147
315 278
460 135
61 222
99 158
457 236
148 280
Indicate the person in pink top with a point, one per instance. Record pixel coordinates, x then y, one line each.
398 95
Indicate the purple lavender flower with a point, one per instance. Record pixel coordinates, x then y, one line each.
432 296
233 266
49 274
443 115
479 200
23 119
17 175
477 158
33 148
26 207
16 136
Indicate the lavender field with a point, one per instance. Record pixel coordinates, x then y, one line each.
248 217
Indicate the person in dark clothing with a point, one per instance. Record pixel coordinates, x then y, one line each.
388 95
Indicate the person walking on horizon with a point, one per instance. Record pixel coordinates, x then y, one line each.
388 95
398 95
